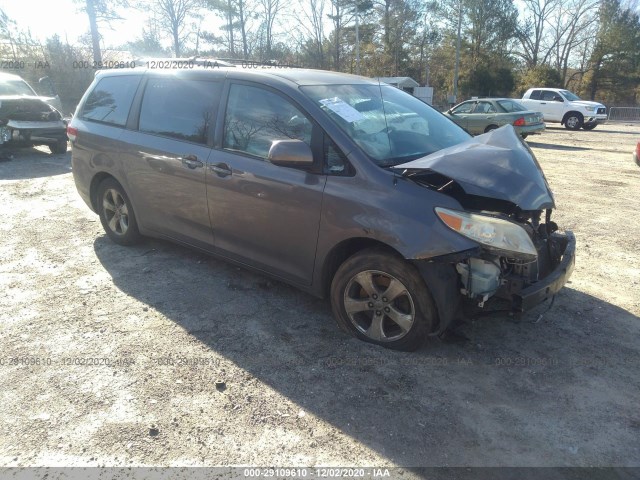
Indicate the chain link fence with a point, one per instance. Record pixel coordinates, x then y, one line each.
624 114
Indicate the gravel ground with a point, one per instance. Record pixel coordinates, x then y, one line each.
157 355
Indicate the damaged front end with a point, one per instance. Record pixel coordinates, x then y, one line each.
28 121
521 258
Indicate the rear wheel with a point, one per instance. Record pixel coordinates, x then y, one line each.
116 213
489 128
573 121
380 298
59 147
590 126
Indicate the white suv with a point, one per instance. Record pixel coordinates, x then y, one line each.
564 107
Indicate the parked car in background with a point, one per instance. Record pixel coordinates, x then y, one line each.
343 187
636 154
483 115
564 107
27 119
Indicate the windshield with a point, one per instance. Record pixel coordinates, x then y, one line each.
511 106
390 126
15 87
569 95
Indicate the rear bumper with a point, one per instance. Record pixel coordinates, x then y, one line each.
30 135
531 129
546 288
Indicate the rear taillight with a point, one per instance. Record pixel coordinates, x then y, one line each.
72 133
519 122
638 149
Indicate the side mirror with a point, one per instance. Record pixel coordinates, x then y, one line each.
450 111
290 153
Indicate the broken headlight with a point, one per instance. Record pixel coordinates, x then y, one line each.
492 232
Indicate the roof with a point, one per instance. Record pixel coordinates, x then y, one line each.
299 76
401 82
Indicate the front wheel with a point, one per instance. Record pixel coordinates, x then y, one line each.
380 298
573 121
590 126
59 147
116 213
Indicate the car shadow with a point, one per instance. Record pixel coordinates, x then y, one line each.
551 388
33 163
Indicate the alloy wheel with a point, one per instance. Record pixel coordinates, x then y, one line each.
379 306
116 211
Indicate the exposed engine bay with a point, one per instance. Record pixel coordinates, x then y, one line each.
487 272
505 207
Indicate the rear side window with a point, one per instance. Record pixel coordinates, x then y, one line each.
110 100
535 95
484 107
511 106
182 109
548 95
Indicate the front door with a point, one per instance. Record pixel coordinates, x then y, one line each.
460 114
264 215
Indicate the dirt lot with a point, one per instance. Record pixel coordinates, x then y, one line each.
158 355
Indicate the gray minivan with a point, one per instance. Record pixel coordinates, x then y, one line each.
334 183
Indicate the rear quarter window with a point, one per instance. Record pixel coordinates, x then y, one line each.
110 101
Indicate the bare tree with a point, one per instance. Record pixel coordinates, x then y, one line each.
310 21
269 11
531 31
100 13
571 26
174 16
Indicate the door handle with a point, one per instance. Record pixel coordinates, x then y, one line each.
543 103
191 161
221 169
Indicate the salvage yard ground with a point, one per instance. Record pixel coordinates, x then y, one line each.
159 355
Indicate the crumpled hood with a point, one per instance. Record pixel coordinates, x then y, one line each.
27 108
496 165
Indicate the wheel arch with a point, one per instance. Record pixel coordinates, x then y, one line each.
488 128
343 250
566 115
97 179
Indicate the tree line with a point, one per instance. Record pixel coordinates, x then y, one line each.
589 46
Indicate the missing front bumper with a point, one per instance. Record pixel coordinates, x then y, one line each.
546 288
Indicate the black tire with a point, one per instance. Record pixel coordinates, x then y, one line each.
116 213
591 126
524 135
489 128
58 147
411 302
573 121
